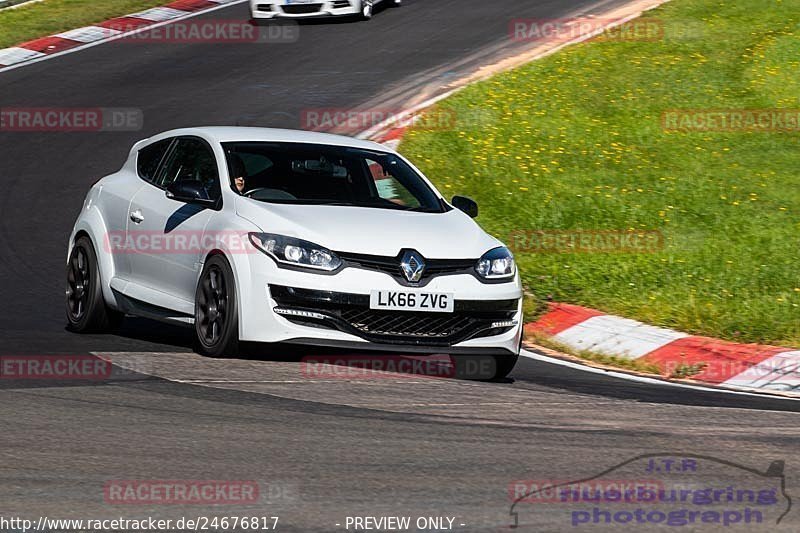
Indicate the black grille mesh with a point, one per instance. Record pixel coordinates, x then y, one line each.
412 324
301 9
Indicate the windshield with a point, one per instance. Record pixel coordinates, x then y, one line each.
313 174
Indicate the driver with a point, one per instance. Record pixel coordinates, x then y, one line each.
238 172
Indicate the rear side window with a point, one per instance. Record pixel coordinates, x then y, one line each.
149 158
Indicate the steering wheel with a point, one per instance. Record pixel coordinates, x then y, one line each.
268 193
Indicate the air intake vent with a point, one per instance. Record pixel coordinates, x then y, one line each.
301 9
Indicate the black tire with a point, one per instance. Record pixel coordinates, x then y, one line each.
395 3
484 367
216 319
86 308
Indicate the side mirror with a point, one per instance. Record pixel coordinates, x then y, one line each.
189 192
467 205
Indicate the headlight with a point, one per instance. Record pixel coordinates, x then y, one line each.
296 252
497 264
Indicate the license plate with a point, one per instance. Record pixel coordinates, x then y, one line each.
432 302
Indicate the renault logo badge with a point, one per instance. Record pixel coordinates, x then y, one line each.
413 266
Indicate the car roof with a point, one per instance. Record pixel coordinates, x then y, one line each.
225 134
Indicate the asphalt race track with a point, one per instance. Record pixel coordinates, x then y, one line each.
325 448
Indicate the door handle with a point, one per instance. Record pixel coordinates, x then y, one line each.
137 217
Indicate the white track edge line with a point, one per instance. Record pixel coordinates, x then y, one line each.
121 35
650 381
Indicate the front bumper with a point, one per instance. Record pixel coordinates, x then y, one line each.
351 314
268 9
333 310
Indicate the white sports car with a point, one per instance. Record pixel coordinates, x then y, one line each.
268 9
270 235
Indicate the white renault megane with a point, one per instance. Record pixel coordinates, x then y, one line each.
272 235
269 9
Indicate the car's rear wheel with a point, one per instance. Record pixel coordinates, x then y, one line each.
87 311
484 367
216 320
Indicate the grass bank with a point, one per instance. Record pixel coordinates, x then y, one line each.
40 19
575 143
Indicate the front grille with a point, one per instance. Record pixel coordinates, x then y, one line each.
432 325
391 266
351 313
301 9
339 4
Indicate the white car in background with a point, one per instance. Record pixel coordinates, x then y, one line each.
266 235
268 9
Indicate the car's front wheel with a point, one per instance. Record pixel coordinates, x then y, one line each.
216 321
484 367
87 311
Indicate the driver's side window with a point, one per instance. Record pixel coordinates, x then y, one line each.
192 160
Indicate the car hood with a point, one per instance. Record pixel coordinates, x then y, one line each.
372 231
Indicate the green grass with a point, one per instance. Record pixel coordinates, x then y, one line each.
575 142
45 18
